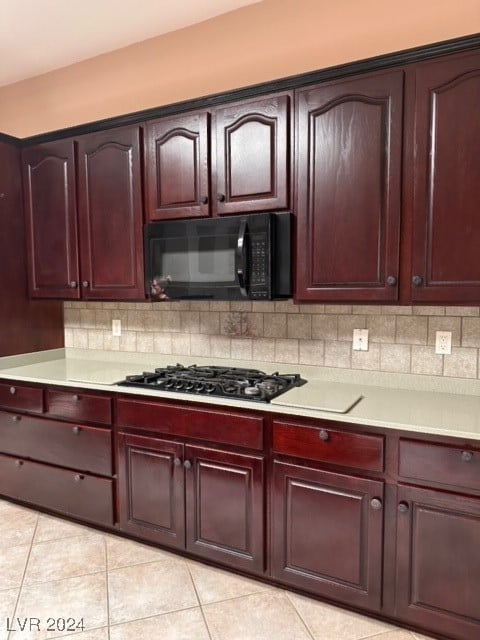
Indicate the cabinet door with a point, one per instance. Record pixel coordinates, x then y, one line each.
349 136
327 534
446 175
110 215
438 564
224 498
177 167
252 156
51 216
151 489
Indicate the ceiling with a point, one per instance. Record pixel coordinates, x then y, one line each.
37 36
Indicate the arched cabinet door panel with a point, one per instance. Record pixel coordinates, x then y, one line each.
446 181
349 145
51 220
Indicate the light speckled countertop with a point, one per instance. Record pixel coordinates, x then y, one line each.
422 404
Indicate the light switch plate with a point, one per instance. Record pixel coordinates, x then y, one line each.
360 340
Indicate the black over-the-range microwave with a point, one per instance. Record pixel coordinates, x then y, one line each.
229 258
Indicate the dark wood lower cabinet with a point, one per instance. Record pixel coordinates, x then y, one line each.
225 507
328 534
151 488
438 562
206 500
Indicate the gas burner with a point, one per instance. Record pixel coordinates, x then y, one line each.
231 382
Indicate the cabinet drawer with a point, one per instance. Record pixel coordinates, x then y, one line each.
21 398
82 407
322 443
443 464
216 426
76 446
81 496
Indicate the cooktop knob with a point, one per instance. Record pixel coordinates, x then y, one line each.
251 391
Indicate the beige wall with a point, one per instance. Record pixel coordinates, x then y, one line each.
272 39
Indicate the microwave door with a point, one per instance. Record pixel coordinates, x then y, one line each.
241 263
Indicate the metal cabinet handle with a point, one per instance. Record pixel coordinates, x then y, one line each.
376 504
177 462
73 284
19 463
203 200
13 390
323 435
467 456
76 430
85 284
391 281
403 507
76 398
417 281
187 464
78 477
16 418
221 197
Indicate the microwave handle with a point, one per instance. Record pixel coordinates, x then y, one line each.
241 258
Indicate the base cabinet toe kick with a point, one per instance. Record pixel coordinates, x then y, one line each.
379 520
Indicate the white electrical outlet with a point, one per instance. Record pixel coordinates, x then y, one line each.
360 340
116 327
443 342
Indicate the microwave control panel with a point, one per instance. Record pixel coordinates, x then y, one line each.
259 266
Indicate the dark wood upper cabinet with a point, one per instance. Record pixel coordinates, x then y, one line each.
445 172
85 235
51 216
252 156
110 215
177 167
349 145
438 563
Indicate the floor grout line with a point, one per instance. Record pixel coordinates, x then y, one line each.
199 602
105 548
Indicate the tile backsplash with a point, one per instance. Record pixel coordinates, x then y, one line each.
401 339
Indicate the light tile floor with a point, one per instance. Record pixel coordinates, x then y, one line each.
122 590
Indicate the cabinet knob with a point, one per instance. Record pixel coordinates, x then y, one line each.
323 435
177 462
403 507
76 398
76 430
13 390
77 477
391 281
417 281
73 284
85 284
16 418
376 504
203 200
187 464
221 197
19 463
2 195
467 456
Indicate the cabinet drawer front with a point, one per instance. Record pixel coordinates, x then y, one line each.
81 496
442 464
79 406
76 446
215 426
356 450
21 398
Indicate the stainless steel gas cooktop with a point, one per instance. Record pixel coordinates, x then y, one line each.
231 382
